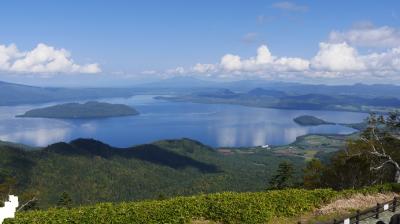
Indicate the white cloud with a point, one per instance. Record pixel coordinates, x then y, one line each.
337 58
263 62
264 56
176 71
149 72
368 36
43 59
383 62
231 62
290 6
333 59
6 54
204 68
292 64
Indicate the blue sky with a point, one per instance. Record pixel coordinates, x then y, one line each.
126 42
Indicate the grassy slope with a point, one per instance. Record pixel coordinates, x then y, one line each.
228 207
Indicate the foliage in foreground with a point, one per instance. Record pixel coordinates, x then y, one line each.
225 207
371 159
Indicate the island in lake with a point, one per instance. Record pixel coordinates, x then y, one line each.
308 120
90 109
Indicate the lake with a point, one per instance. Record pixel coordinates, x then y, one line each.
213 124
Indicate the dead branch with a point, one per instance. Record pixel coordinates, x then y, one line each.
27 203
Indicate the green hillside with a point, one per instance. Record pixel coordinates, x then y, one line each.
90 171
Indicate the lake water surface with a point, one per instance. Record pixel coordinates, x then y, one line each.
213 124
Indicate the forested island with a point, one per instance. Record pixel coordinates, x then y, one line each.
91 109
308 120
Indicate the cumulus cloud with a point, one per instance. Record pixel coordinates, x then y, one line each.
231 62
383 62
290 6
332 60
368 35
42 59
292 64
6 54
337 58
264 61
204 68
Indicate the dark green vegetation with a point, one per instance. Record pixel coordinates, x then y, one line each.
90 171
228 207
282 100
283 177
90 109
307 120
371 158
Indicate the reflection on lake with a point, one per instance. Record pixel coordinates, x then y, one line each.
215 125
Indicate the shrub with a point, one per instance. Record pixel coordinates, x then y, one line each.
227 207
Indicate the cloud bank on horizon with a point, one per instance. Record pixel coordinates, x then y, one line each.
338 57
43 59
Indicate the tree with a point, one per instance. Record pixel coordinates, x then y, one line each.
6 187
382 141
283 177
313 174
348 171
373 158
65 201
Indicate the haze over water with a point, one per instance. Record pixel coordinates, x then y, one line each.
212 124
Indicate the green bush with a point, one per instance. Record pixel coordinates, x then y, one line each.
227 207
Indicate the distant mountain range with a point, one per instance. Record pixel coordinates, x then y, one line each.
271 98
14 94
291 88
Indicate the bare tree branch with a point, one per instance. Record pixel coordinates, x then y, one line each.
26 204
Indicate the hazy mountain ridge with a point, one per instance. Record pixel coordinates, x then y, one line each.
277 99
14 94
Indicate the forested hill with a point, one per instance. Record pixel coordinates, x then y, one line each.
91 171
